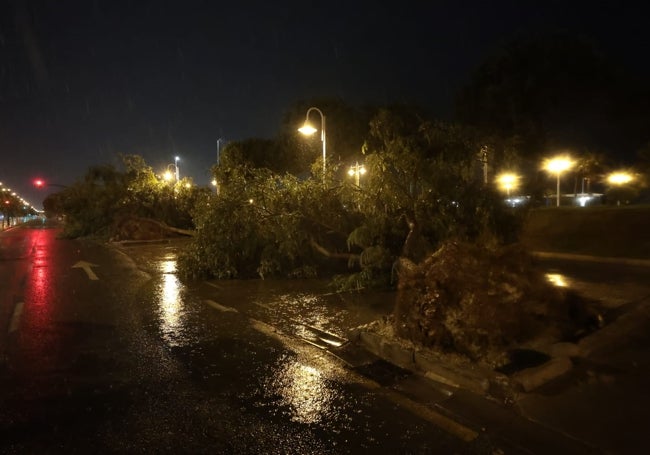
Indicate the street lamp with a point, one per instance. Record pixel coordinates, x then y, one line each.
619 178
556 166
507 181
176 166
219 151
356 171
169 175
308 130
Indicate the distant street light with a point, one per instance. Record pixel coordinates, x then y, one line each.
508 181
307 129
176 166
169 175
556 166
357 171
619 178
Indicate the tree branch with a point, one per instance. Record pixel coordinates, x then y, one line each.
325 252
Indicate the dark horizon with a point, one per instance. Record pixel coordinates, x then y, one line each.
82 82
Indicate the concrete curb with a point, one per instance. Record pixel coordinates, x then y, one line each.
532 378
139 242
475 380
468 377
483 381
589 258
471 377
617 331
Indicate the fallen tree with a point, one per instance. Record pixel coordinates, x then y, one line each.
480 303
139 228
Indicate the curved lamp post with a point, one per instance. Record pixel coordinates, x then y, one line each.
307 129
556 166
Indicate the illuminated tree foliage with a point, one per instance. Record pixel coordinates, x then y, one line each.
98 203
424 185
264 224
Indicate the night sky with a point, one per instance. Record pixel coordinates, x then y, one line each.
81 81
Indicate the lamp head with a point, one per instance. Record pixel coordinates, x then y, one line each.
558 164
307 129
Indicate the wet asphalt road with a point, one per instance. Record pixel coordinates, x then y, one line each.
104 350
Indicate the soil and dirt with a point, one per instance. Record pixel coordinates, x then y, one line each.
484 304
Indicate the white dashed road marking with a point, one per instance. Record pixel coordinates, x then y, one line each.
220 307
15 317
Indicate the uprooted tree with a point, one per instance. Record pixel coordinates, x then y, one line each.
423 185
422 214
127 203
482 303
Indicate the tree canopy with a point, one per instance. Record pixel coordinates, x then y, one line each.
556 92
97 203
424 184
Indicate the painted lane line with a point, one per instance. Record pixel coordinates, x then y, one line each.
15 317
86 266
212 284
425 412
222 308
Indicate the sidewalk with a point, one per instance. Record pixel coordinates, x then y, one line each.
589 258
594 392
605 399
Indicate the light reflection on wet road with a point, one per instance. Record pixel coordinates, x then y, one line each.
171 305
137 361
236 355
301 388
302 392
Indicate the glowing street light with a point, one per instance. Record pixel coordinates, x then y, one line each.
508 181
619 178
168 175
556 166
307 129
176 166
357 171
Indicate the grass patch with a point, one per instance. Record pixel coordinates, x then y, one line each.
599 231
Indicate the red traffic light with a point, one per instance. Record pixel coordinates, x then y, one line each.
39 183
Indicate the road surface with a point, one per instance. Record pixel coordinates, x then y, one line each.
101 353
104 350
